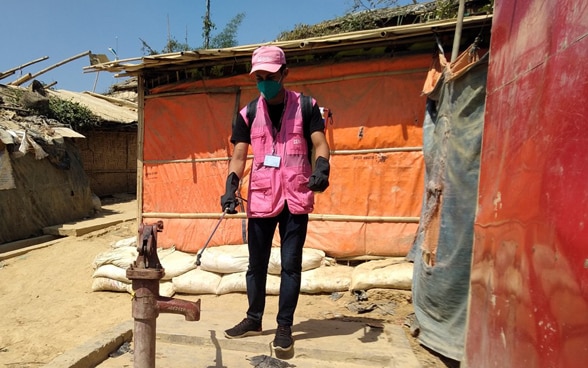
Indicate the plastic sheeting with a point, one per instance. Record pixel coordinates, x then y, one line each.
376 167
452 135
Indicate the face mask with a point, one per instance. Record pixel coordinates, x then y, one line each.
269 88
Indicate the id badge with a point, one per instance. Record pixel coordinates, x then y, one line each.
271 161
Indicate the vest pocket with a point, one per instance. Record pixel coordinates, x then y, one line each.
261 195
296 144
301 199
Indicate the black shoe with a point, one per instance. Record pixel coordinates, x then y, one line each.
283 340
247 327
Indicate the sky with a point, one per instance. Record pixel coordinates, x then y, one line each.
62 29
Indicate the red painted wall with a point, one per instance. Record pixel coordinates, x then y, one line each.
529 281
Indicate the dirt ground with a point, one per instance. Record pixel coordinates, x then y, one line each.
47 305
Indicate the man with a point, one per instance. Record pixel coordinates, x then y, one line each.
281 188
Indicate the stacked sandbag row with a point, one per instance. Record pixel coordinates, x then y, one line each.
222 271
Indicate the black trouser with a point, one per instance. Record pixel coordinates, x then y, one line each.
260 232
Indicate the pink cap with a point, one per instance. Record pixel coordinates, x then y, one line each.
268 58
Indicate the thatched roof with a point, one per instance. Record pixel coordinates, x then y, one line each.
19 123
106 108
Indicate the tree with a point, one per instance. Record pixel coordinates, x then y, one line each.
207 26
228 36
373 4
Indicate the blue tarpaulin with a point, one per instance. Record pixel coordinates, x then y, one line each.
442 250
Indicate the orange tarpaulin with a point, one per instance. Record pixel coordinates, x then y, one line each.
375 135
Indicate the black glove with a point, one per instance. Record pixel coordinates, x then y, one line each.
319 180
229 200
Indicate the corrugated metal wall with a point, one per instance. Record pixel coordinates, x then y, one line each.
529 279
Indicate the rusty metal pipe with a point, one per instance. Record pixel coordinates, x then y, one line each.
145 274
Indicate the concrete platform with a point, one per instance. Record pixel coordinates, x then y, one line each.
339 342
109 215
342 342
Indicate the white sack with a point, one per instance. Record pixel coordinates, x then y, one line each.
232 283
166 288
311 259
128 242
176 262
236 283
111 271
326 279
197 281
106 284
393 273
122 257
225 259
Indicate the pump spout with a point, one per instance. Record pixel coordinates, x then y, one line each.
190 310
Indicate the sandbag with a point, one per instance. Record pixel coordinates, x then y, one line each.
106 284
232 283
225 259
197 281
311 259
235 283
113 272
326 279
121 257
124 256
166 288
175 262
128 242
392 273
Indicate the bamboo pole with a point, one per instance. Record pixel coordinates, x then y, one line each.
10 72
376 150
312 217
85 53
21 80
458 28
18 82
333 153
6 74
50 84
140 142
114 100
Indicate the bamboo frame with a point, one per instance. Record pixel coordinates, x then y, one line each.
312 217
140 141
333 153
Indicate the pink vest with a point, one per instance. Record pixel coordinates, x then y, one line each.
270 187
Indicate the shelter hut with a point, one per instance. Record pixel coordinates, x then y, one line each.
42 180
109 152
49 173
369 81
